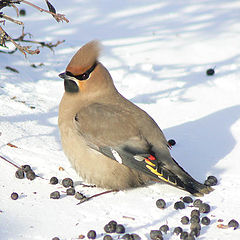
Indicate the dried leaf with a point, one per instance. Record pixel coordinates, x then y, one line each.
222 226
61 169
50 7
11 145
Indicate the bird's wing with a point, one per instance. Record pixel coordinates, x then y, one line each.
113 132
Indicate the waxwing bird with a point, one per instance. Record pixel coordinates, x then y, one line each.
111 142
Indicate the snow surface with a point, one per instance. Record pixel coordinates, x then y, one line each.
157 53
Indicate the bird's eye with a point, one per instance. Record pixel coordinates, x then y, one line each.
84 76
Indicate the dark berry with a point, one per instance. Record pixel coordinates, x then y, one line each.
184 235
195 219
156 235
127 236
107 237
161 203
71 191
185 220
179 205
110 228
55 195
205 221
197 202
91 234
53 180
134 236
195 232
120 228
26 168
67 182
164 228
171 142
79 196
190 237
210 72
211 181
195 226
204 208
233 223
22 12
187 199
19 174
30 175
14 196
177 230
112 222
195 212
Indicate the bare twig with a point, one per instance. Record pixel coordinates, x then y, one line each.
96 195
9 162
11 19
24 49
57 16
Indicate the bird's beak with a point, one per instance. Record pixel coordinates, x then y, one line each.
63 75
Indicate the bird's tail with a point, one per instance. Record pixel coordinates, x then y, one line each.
175 175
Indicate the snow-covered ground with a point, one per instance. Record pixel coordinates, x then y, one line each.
157 53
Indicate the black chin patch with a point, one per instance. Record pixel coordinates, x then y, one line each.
70 86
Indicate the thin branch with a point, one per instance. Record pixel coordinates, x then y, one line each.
10 162
57 16
96 195
24 49
11 19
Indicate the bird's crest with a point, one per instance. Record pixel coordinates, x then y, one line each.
84 58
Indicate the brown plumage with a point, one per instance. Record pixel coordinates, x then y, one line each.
110 141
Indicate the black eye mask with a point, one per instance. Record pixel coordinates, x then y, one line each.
84 75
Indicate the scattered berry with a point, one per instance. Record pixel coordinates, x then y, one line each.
55 195
67 182
195 212
190 237
26 168
14 196
195 219
184 235
161 203
110 228
53 180
19 174
177 230
211 181
171 142
179 205
79 196
134 236
195 232
71 191
205 221
120 228
197 203
233 223
187 199
30 175
22 12
156 235
91 234
107 237
210 72
112 222
204 208
164 228
195 226
127 236
185 220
